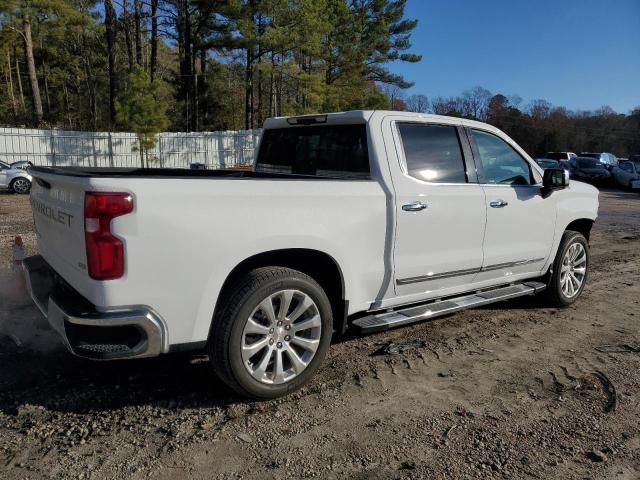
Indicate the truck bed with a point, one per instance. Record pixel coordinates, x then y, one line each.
175 173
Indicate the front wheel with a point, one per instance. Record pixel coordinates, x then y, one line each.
20 185
570 269
272 333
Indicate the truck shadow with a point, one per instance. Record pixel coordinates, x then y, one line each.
36 369
60 382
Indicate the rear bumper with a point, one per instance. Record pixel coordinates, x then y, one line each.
129 332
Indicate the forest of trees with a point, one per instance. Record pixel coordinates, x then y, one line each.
537 126
229 64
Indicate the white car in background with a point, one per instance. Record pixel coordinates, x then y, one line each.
15 179
560 156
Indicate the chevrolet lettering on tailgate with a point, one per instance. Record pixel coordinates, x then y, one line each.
54 214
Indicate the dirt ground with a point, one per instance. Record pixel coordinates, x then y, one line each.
515 390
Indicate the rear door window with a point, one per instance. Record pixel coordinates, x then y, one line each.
331 151
433 152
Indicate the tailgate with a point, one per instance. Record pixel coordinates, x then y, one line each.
58 212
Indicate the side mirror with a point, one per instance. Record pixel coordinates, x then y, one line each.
554 179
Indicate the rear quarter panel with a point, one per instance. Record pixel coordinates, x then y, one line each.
186 235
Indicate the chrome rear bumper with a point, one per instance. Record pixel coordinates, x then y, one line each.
131 332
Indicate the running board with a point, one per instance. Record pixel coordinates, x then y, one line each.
386 320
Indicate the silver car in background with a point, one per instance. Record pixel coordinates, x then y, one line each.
15 179
627 174
22 164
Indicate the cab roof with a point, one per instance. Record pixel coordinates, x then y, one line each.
364 116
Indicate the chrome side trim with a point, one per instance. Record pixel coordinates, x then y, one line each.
519 263
435 276
469 271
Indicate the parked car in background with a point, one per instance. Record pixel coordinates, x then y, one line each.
560 155
590 170
627 173
14 179
548 163
607 159
22 164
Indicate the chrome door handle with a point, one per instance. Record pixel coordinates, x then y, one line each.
414 207
498 203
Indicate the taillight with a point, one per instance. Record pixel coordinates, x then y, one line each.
105 251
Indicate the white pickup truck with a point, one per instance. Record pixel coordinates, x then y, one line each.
363 220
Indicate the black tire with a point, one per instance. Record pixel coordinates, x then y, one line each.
554 288
21 190
225 339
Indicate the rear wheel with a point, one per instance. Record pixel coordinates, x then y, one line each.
272 333
20 185
570 269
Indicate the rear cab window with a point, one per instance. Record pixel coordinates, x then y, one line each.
326 151
587 163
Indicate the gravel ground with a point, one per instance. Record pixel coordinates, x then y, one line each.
514 390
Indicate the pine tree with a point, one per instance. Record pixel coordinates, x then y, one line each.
142 108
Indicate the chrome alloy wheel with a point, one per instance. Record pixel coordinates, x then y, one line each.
281 336
21 185
573 270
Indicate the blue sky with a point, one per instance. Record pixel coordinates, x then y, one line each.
580 54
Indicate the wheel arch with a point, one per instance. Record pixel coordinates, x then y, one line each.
18 177
581 225
320 266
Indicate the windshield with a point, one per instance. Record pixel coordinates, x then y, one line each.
4 165
588 163
333 151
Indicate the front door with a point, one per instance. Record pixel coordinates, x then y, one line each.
520 222
440 211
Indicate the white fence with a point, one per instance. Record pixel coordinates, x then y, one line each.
119 149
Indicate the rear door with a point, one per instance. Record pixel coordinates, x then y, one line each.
440 210
520 222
